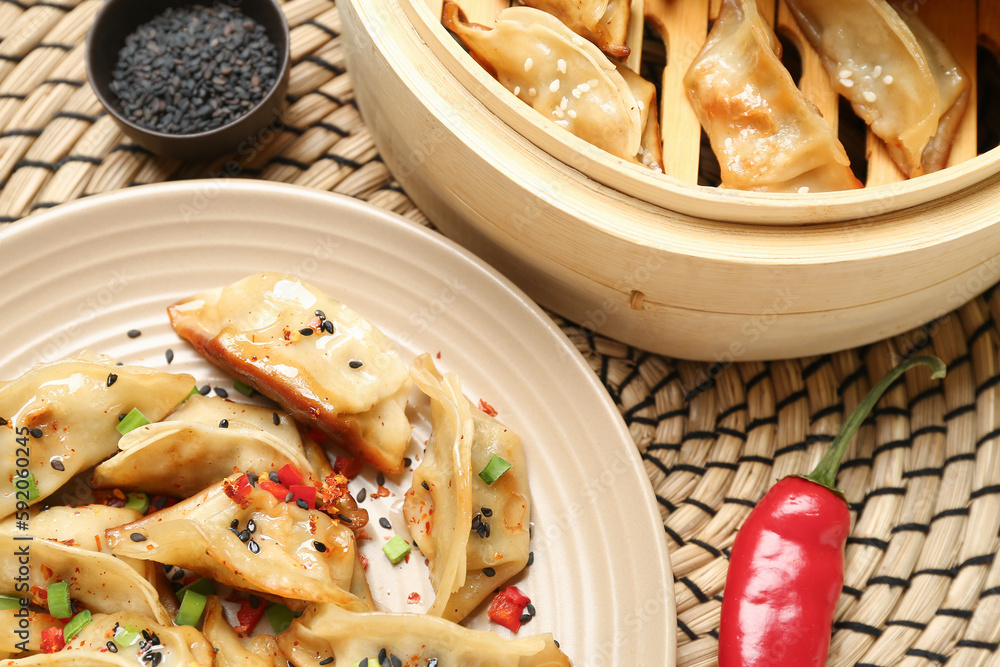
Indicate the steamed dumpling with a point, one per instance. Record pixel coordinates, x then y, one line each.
448 498
323 362
65 413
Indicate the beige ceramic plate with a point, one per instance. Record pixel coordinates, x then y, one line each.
83 274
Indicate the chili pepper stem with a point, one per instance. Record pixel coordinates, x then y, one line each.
826 470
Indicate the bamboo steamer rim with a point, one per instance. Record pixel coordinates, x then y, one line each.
634 181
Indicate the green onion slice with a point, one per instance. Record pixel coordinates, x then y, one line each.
9 602
202 586
59 602
279 616
126 635
396 549
191 607
194 392
494 469
133 420
77 623
32 489
137 501
243 388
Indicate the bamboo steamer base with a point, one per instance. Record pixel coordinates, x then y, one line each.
660 279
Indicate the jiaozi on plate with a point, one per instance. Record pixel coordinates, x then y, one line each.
322 361
875 60
448 495
559 74
603 22
765 133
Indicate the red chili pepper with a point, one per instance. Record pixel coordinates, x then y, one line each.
53 639
347 466
507 608
279 491
786 569
289 475
248 616
304 492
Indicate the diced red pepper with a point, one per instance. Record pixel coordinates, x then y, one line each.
304 492
248 616
507 608
289 475
279 491
347 466
53 640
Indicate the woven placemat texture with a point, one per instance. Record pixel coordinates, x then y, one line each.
923 476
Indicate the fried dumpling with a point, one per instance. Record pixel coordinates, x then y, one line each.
101 582
558 73
65 413
200 442
460 523
231 650
766 135
954 87
604 22
323 362
326 632
875 61
233 532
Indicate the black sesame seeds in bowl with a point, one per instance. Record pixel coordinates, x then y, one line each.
187 79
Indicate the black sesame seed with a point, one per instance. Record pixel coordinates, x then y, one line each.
273 476
355 363
363 663
235 523
476 522
302 503
433 662
289 496
254 601
112 378
134 333
362 494
327 661
244 535
121 416
177 576
328 327
306 331
254 547
531 557
344 518
137 537
3 422
221 393
145 635
252 526
204 391
426 486
276 419
154 658
381 655
159 502
320 547
224 423
556 642
525 618
385 523
113 647
320 314
252 477
407 461
489 572
380 479
486 511
36 432
57 465
169 354
530 608
395 662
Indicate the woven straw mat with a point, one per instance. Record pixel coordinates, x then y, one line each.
922 584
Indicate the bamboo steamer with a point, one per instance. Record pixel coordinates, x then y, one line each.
658 261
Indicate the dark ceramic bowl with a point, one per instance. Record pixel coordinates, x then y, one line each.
119 18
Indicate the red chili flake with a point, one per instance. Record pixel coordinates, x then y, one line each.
47 571
413 598
487 408
39 595
347 466
53 640
439 354
239 491
364 561
381 492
